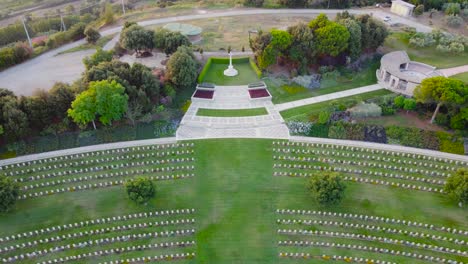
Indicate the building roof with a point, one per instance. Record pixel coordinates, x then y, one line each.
415 71
185 29
400 2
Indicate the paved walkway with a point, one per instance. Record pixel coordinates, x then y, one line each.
232 97
454 71
64 152
361 144
327 97
43 71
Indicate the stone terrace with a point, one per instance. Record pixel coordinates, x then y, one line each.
232 97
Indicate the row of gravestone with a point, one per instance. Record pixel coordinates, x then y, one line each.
105 167
371 218
96 232
157 258
364 164
92 186
88 162
368 249
104 176
99 242
97 153
358 179
92 222
371 238
370 228
301 255
369 150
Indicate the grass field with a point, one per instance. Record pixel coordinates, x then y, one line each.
232 112
461 76
216 75
285 93
429 55
235 198
302 113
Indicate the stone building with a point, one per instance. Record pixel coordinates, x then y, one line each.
402 8
401 75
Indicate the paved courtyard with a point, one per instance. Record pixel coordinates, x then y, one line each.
232 97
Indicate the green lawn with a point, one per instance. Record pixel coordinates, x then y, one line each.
302 113
429 55
461 76
216 75
232 112
235 197
285 93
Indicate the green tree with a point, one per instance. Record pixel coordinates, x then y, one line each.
9 192
460 120
452 9
373 32
111 100
319 22
137 38
140 190
61 96
419 10
327 187
173 41
99 56
399 101
457 185
254 3
182 68
14 120
354 45
441 90
331 39
83 108
409 104
1 130
302 47
267 57
108 14
92 35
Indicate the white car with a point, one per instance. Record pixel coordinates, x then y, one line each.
387 19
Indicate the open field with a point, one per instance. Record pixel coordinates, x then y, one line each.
232 112
429 55
234 196
461 76
219 33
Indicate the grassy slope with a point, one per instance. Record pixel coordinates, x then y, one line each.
328 85
429 55
235 196
232 112
216 74
302 113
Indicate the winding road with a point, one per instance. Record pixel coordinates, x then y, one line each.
43 71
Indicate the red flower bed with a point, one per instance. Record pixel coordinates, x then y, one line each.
257 93
204 94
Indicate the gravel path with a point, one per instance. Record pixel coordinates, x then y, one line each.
454 71
43 71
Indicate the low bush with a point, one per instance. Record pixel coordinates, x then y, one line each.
454 21
450 144
319 131
18 53
363 110
374 133
337 131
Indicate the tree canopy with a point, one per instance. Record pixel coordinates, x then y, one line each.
169 41
83 108
140 190
331 39
137 38
457 185
182 68
111 100
99 56
9 192
441 90
327 187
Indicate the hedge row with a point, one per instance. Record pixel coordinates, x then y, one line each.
406 136
142 131
215 60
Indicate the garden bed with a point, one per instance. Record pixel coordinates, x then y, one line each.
203 94
259 93
213 72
